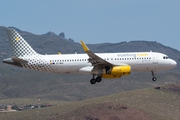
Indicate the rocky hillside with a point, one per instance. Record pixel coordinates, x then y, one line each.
17 82
51 43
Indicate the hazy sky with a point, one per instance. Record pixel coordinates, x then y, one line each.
97 21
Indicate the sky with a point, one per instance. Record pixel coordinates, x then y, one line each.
97 21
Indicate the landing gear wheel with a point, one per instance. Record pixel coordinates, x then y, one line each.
93 81
154 78
98 79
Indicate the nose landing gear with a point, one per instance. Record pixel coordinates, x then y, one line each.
154 78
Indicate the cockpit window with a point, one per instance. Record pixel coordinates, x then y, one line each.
165 57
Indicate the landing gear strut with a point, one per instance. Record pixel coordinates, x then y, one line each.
94 80
154 78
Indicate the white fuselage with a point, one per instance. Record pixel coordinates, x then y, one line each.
78 63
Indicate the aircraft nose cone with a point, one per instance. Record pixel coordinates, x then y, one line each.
173 63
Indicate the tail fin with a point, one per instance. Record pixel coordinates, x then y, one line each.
19 46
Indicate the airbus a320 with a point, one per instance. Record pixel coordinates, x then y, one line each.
100 65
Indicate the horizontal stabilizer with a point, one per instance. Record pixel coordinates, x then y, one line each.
19 60
15 61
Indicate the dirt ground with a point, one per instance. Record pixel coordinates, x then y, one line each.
172 87
113 111
106 111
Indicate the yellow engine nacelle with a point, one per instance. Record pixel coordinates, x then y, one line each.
117 72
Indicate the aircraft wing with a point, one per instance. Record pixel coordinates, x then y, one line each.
95 60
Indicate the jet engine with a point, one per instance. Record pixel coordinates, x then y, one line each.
117 71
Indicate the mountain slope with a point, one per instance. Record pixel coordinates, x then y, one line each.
17 82
143 104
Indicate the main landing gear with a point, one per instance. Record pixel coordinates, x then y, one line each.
94 80
154 78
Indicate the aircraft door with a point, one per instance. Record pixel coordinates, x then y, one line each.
155 58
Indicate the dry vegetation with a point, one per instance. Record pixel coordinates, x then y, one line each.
143 104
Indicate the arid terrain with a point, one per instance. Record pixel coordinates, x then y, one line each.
158 103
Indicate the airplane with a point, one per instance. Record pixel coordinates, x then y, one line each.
100 65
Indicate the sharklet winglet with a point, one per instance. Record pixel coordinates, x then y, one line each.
86 49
